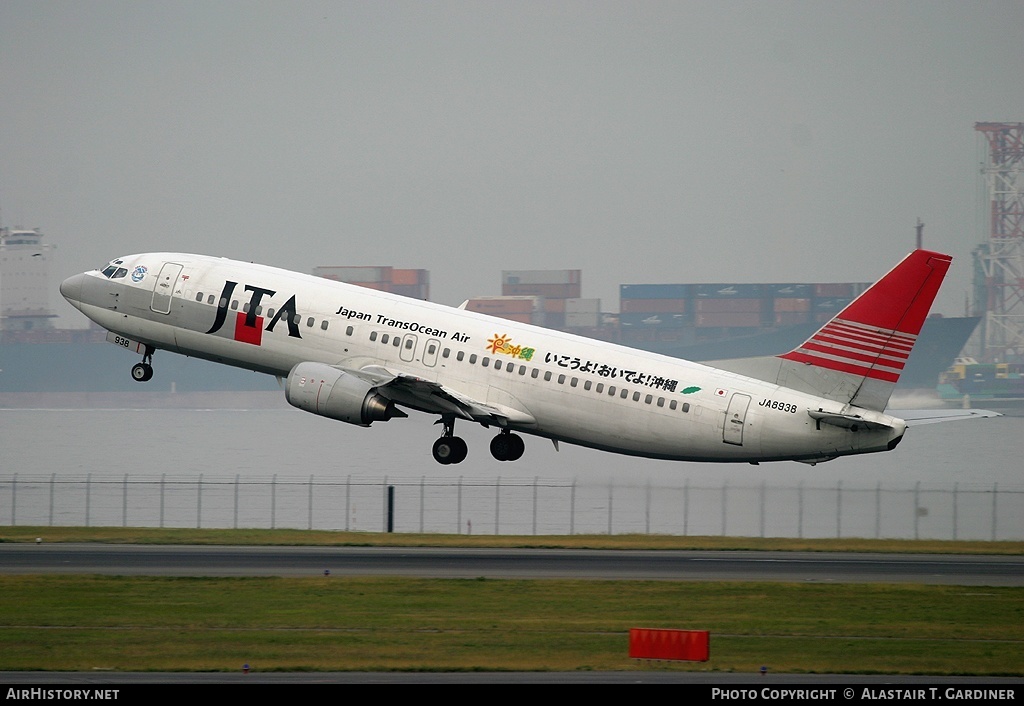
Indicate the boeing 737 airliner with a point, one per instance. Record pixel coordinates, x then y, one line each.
361 356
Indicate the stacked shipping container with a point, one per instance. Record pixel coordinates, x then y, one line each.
408 283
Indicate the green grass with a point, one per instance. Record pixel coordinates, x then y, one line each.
135 535
67 622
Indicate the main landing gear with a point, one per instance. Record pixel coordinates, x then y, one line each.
449 448
452 449
143 372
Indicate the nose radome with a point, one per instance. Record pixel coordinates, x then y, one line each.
71 288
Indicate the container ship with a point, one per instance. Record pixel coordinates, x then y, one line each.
696 321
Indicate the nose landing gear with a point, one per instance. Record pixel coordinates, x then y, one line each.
143 372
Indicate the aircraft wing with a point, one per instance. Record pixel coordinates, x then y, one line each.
916 417
427 396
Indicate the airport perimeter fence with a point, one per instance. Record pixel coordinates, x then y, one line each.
514 506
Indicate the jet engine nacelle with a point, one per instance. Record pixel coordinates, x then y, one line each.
330 392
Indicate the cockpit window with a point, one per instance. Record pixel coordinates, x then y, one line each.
112 270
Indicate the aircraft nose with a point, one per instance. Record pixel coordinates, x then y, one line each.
71 288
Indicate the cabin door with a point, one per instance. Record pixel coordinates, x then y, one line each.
735 418
164 287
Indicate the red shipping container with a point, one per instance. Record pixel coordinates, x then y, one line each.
655 643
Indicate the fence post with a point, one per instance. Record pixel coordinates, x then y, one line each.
88 496
917 506
348 499
423 481
686 507
955 485
763 491
273 502
310 525
800 509
647 509
497 503
725 491
124 502
458 510
199 503
995 494
385 487
839 509
14 500
236 501
611 502
163 477
572 507
878 510
535 506
53 482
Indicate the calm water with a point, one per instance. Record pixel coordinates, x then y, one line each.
291 446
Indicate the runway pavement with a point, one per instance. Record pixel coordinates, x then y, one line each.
822 567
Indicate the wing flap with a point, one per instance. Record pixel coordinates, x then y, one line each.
427 396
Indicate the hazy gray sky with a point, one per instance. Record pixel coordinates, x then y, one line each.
638 141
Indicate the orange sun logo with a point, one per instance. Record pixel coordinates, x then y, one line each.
497 343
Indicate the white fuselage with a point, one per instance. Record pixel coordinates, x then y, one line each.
547 383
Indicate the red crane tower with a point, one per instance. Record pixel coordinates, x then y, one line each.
999 262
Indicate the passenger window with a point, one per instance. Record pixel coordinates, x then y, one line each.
309 322
672 404
373 335
587 384
199 297
349 331
649 399
431 348
661 401
572 383
625 393
245 307
534 373
323 325
561 379
234 305
547 376
223 302
209 299
497 364
408 344
385 338
636 396
460 356
446 352
485 361
297 319
472 359
270 313
510 367
522 370
396 341
611 390
686 406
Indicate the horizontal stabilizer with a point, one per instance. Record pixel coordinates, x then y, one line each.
915 417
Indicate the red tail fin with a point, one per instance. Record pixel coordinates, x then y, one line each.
872 337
